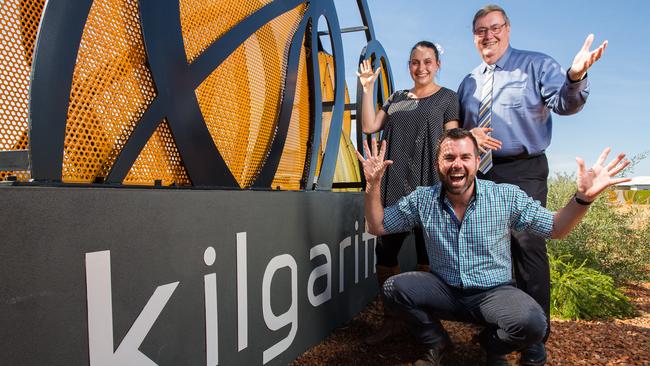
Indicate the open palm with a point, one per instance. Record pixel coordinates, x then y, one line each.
374 164
366 76
484 140
591 182
585 58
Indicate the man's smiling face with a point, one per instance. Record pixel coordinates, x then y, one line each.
457 165
491 36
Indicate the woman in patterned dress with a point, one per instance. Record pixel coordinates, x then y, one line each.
411 122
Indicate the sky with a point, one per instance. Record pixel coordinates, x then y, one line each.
614 115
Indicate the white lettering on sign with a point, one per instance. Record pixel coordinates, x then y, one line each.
211 323
320 271
100 316
100 306
242 293
345 243
289 317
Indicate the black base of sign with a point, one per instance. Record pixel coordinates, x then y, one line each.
94 276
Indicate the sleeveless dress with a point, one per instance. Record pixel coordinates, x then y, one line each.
412 129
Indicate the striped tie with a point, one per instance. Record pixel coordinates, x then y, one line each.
485 115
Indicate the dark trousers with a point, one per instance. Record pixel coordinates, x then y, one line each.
390 245
530 260
513 319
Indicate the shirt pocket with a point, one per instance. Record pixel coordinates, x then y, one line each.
511 94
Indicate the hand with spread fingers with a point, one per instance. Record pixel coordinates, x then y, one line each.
366 76
374 164
585 58
591 182
485 141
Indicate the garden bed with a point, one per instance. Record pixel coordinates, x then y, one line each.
611 342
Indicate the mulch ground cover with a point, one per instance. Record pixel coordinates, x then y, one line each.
610 342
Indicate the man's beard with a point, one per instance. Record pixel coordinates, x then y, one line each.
457 181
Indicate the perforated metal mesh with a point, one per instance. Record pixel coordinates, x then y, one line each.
203 21
19 21
111 89
384 80
346 163
347 166
292 164
159 158
240 99
326 70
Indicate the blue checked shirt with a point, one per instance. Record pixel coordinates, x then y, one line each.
474 253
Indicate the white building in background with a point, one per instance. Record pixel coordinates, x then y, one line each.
635 191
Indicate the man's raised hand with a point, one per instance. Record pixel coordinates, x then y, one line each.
591 182
585 58
374 164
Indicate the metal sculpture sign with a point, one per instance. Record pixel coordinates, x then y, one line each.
176 80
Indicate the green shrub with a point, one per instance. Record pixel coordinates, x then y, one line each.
579 292
605 240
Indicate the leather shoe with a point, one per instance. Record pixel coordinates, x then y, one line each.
534 355
433 356
494 359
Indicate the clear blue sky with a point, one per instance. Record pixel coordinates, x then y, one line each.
617 113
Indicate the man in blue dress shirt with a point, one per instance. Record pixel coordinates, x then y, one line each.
467 224
525 88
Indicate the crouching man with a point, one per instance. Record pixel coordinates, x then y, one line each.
467 223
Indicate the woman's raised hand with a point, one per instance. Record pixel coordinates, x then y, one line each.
366 75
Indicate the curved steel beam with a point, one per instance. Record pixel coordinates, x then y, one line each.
364 12
330 155
55 55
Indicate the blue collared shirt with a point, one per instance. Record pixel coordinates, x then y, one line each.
474 253
527 87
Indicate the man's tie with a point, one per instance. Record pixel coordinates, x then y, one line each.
485 115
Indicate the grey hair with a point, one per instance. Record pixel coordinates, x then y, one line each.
488 9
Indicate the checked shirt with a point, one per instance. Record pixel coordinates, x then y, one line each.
474 253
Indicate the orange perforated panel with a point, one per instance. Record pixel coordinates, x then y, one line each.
204 21
19 21
326 70
240 100
384 79
347 170
111 89
292 164
159 158
347 167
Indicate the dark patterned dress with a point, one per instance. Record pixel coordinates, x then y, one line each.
412 129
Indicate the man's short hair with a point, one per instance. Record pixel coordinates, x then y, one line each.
488 9
457 134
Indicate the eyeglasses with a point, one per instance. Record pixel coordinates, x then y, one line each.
495 29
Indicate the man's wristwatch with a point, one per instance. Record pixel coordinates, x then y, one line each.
581 201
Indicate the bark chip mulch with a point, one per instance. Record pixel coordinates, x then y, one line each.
611 342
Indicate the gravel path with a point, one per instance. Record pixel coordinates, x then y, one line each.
612 342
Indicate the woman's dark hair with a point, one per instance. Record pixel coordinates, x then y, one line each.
426 44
